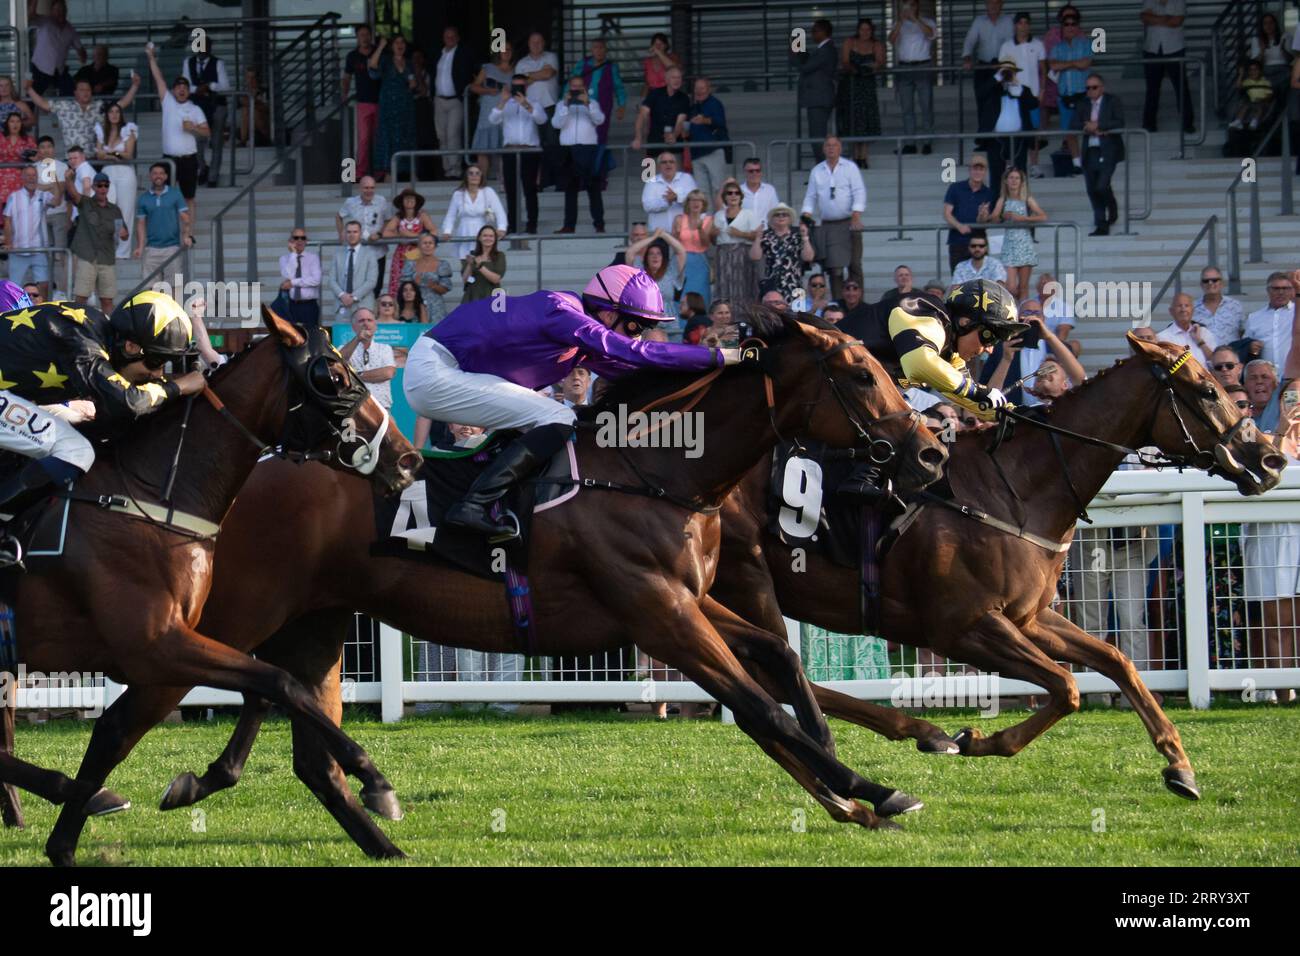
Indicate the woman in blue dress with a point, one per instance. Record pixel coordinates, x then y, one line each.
396 79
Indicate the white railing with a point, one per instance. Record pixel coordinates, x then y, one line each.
1165 627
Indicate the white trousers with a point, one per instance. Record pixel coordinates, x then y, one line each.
438 388
31 430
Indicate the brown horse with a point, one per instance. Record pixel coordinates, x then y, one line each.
997 586
125 597
639 573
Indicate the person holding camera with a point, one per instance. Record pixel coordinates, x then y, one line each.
519 118
1037 356
578 119
837 197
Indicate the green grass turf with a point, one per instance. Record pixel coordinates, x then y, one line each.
602 789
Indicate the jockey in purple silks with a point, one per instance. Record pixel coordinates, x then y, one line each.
482 363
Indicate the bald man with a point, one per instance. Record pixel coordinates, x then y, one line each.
1183 331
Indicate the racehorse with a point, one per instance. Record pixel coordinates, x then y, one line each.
126 593
996 586
629 573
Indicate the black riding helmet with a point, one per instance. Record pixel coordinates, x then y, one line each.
156 322
989 307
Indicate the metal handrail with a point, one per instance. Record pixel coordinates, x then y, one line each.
1175 279
297 58
1256 239
159 274
1231 46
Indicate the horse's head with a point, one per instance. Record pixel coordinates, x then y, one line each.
330 406
1195 421
828 387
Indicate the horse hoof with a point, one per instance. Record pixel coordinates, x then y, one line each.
964 738
184 791
897 803
383 803
389 853
60 857
105 802
938 745
886 824
1183 783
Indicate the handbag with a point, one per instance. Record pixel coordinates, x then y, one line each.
282 304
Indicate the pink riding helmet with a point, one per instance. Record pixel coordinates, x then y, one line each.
629 291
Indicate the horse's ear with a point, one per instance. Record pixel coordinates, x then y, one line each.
1151 350
282 329
820 339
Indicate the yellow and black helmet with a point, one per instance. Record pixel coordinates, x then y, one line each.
988 306
156 322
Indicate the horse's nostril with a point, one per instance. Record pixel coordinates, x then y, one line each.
1273 463
933 455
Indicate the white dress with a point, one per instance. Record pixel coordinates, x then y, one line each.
1271 551
123 182
465 216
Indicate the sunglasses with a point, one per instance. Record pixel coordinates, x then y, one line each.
387 304
1225 366
817 285
1211 280
732 192
1242 405
298 238
1092 86
1070 22
978 245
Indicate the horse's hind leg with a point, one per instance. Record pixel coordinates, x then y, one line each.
225 771
11 808
1060 638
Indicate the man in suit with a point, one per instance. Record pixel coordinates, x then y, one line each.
817 82
353 274
208 79
453 70
1103 150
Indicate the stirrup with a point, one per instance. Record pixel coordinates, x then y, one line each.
865 491
11 552
507 534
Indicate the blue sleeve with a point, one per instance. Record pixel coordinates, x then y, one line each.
950 197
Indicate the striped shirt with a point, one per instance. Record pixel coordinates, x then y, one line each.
26 211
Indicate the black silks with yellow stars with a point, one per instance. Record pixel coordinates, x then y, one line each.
59 351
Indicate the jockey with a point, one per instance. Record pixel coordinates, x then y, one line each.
482 364
58 351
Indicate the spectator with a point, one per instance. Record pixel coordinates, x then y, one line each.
33 290
1186 333
1015 204
357 66
573 390
816 93
493 77
422 100
410 305
980 265
24 228
54 37
1071 58
857 112
1049 101
1224 317
52 173
1269 47
1255 97
11 104
1260 380
432 275
182 123
15 147
371 210
724 322
1225 366
300 275
818 295
255 124
691 229
664 259
453 72
76 117
604 84
373 361
833 313
162 221
759 197
858 314
354 273
662 114
694 315
484 267
386 307
1273 324
1031 57
94 246
732 230
102 76
1016 105
408 221
707 122
658 61
835 199
783 251
1163 20
208 79
78 163
967 203
1058 312
638 235
392 68
662 196
902 286
541 69
1237 395
913 39
936 288
577 118
1145 333
984 38
773 299
115 144
519 117
473 205
1103 150
197 307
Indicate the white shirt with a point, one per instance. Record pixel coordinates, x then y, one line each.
1009 119
371 215
1058 312
175 141
542 92
760 201
53 171
381 356
660 213
1027 57
85 185
1164 40
746 221
992 269
913 45
835 194
1183 339
52 43
1273 328
306 286
466 216
27 213
443 84
577 123
518 128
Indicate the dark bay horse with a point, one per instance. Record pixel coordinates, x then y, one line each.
605 569
126 595
971 592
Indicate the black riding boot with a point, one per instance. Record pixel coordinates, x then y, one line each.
516 461
867 485
31 477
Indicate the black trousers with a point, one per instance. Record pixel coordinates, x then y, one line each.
530 164
305 312
988 95
1097 174
1155 76
1004 151
819 122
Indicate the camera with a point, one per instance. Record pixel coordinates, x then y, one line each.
518 89
808 220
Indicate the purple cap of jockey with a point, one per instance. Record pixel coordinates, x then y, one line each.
627 290
13 297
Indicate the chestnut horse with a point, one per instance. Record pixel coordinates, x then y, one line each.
639 574
125 596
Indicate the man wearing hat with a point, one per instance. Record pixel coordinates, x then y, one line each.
94 246
836 199
1014 115
183 123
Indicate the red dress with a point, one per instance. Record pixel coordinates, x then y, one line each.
11 151
405 227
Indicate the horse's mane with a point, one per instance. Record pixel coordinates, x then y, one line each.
1076 393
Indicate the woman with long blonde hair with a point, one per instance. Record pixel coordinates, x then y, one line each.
1015 204
692 229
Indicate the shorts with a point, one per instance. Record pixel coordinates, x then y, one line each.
89 278
21 264
1067 114
187 173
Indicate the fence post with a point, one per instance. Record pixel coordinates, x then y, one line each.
250 271
1288 204
1214 243
390 673
1197 635
299 204
1256 231
1234 244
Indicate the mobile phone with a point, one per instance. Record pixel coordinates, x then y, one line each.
1031 338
